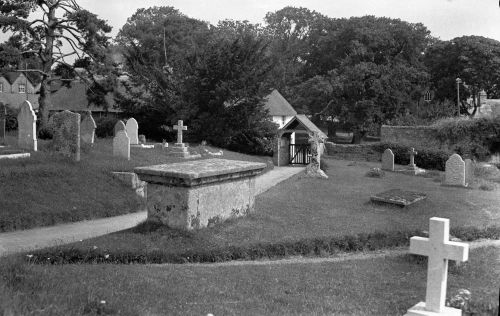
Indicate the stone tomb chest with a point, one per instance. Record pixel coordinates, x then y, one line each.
195 194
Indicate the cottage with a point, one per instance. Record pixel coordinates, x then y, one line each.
15 88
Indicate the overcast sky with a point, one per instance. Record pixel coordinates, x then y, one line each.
445 19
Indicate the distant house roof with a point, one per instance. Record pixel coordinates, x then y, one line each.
74 98
301 122
278 105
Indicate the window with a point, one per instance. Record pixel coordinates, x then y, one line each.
283 118
22 88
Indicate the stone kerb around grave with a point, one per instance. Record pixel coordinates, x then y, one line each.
26 122
455 171
121 145
388 160
195 194
66 134
132 128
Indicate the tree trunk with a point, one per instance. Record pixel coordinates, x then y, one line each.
44 103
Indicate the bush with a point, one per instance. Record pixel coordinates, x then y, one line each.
375 173
426 158
105 126
11 119
250 142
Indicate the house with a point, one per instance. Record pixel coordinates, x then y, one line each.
15 88
279 109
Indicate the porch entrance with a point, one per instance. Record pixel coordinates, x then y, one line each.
300 154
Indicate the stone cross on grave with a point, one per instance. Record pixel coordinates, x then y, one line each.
439 249
180 127
413 153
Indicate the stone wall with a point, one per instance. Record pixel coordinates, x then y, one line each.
414 136
359 152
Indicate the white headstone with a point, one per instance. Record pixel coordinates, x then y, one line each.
455 171
388 160
439 249
469 171
121 145
132 129
26 121
87 129
180 127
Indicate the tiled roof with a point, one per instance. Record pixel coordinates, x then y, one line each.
300 120
278 105
74 98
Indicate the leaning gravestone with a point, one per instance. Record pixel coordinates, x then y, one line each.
3 117
455 171
66 137
121 145
132 129
87 129
388 160
119 126
469 171
26 121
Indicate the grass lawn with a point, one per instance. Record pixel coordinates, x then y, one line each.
304 208
48 189
370 286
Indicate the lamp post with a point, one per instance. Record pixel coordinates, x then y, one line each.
459 81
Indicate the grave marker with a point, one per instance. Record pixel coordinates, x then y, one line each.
3 117
413 153
439 249
26 121
121 145
180 127
87 129
388 160
469 171
66 137
132 128
455 171
119 126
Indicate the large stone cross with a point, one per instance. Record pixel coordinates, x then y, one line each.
439 249
413 153
180 127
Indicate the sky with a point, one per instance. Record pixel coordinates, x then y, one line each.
446 19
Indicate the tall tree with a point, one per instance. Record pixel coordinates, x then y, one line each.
54 30
474 59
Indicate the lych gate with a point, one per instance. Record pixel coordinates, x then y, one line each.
292 146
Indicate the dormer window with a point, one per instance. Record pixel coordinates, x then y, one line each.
22 88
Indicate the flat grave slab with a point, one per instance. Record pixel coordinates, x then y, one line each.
9 153
398 197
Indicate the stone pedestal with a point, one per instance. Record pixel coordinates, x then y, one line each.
179 150
195 194
419 310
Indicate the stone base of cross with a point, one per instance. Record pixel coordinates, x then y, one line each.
439 249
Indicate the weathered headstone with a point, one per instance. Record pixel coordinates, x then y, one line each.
119 126
180 127
469 171
87 129
142 139
455 171
26 121
132 128
3 118
388 160
439 249
66 136
121 145
313 169
398 197
413 153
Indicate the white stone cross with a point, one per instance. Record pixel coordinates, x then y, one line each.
439 249
179 127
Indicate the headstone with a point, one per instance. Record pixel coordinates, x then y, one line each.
313 169
66 136
121 145
3 118
388 160
179 127
439 249
142 139
119 126
26 121
455 171
179 149
413 153
132 128
469 171
87 129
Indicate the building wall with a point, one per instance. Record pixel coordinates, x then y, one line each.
10 94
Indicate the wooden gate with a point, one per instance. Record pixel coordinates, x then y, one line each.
300 154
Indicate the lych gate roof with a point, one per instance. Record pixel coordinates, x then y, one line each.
301 122
278 105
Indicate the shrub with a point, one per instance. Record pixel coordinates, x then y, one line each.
375 173
105 126
11 119
428 158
